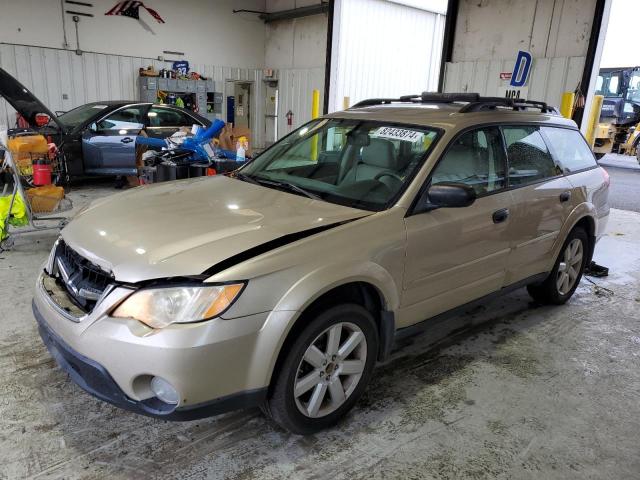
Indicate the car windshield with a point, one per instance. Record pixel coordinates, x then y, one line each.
80 115
360 164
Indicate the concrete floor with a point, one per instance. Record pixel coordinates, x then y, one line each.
521 392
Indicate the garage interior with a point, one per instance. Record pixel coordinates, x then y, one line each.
506 389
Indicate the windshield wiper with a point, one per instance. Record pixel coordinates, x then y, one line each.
245 178
287 185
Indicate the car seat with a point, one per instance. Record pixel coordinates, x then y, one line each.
460 162
377 157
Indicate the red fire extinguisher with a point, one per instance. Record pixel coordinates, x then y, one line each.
289 116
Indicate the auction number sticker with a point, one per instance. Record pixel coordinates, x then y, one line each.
398 134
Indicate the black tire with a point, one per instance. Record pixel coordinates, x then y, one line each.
547 292
281 404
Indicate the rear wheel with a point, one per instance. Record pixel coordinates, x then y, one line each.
567 271
325 371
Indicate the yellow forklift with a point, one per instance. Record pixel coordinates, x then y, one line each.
619 128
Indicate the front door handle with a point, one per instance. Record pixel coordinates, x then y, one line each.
501 215
565 196
127 140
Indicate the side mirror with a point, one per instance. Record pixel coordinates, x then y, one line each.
448 195
93 127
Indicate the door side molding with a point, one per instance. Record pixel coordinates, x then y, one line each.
437 319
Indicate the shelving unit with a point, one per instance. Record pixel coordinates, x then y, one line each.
203 90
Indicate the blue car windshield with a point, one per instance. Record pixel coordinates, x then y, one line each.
360 164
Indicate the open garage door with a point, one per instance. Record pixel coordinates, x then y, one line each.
527 49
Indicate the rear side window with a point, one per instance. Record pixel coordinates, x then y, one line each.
475 158
165 117
130 118
530 160
569 149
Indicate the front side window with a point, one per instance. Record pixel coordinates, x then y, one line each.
529 158
569 148
475 158
129 118
361 164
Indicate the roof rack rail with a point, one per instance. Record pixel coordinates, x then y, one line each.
374 101
474 102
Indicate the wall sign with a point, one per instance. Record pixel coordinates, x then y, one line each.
519 78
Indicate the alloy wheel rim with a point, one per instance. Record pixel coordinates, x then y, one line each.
569 267
330 370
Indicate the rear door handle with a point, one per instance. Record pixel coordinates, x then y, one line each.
501 215
565 196
127 140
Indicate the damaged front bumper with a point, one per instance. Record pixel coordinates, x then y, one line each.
95 379
115 359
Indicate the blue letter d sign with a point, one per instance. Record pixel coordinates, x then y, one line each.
521 69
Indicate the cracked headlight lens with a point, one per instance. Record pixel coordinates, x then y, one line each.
160 307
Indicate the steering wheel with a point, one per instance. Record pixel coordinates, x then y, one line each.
388 174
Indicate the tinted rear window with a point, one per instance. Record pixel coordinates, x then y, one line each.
569 149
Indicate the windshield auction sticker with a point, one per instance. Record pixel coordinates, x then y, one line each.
398 134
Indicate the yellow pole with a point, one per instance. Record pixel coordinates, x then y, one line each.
315 113
346 103
566 107
594 118
315 104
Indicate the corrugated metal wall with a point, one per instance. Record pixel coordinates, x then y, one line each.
549 77
295 90
382 49
63 80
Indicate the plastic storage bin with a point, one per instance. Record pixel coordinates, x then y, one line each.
45 199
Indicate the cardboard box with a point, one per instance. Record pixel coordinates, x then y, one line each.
230 136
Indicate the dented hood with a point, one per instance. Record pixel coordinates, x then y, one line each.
184 228
24 102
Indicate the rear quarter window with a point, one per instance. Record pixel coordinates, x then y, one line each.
569 149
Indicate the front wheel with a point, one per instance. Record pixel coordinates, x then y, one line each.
327 368
567 271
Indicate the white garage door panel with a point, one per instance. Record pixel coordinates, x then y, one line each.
383 49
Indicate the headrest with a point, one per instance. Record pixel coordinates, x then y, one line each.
379 153
459 158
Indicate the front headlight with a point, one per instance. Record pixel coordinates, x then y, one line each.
159 307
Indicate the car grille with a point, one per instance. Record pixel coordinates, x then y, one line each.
84 281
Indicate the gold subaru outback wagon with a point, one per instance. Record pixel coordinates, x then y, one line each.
282 284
